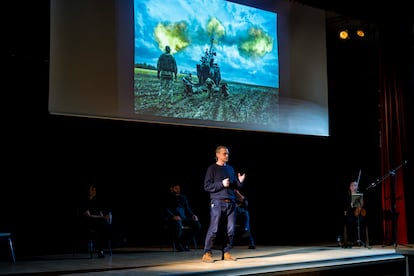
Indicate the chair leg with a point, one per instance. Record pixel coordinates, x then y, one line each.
12 249
345 236
195 243
110 247
174 241
174 248
91 248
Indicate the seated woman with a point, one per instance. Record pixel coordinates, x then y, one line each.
354 217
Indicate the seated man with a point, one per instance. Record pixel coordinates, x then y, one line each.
224 88
178 215
243 217
188 85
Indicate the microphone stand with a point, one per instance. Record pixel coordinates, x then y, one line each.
391 174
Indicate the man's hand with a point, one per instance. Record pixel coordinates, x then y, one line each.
241 177
226 182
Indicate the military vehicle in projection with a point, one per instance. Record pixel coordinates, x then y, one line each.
207 68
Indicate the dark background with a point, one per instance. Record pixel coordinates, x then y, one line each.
294 183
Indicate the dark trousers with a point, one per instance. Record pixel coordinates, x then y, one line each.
99 231
221 213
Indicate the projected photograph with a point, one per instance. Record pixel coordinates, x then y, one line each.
209 63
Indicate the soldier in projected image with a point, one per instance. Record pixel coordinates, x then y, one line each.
166 71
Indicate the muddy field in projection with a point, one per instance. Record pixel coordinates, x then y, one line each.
245 104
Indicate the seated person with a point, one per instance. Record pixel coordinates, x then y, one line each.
224 88
243 217
178 214
188 85
96 221
354 217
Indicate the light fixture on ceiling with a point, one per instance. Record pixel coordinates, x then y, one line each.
344 34
360 32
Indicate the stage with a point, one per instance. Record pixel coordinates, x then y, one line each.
265 260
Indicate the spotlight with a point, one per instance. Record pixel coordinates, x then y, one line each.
344 34
360 33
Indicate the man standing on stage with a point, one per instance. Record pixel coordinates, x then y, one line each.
221 182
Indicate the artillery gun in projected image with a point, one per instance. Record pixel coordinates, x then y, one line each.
207 68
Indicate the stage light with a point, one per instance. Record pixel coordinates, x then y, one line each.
360 33
343 34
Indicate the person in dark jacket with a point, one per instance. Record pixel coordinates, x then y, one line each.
221 181
97 219
180 218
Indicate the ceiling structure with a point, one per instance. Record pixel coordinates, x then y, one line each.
374 11
367 15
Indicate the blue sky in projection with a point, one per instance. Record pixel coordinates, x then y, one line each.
245 38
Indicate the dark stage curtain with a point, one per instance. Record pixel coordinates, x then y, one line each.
395 76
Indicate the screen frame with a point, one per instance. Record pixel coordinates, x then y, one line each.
82 32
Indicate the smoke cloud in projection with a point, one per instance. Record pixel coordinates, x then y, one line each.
245 38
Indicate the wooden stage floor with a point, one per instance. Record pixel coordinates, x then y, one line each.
264 260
